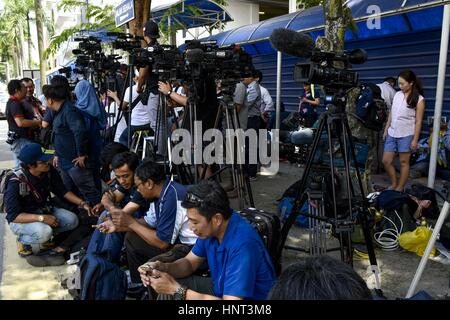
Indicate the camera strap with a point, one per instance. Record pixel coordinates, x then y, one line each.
20 176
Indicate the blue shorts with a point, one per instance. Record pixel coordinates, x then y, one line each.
398 144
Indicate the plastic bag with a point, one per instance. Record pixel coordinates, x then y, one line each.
416 241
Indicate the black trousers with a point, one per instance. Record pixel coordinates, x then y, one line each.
252 123
138 253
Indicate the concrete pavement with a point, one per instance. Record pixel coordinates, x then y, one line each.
18 279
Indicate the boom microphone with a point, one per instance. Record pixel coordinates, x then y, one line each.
291 42
194 55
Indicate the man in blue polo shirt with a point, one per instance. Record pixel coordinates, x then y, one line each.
164 225
240 265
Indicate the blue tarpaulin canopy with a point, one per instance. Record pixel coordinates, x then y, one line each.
398 16
209 13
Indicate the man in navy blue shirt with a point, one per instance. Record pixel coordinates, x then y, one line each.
164 225
29 212
72 145
240 265
123 194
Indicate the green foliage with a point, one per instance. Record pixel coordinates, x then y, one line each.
309 3
102 17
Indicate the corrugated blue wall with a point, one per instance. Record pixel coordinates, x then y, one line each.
389 55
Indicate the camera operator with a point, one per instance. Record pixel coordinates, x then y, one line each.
143 117
151 35
120 78
207 104
21 120
253 106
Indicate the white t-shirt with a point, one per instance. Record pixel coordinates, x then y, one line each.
180 91
403 119
141 115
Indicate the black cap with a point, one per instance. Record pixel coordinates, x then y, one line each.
151 30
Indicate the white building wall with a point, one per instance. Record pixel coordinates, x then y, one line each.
241 11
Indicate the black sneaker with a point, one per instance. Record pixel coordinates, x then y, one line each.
47 258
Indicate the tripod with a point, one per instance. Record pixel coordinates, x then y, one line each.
240 179
336 117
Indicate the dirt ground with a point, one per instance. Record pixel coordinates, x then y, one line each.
397 267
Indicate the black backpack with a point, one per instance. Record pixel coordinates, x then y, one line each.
371 109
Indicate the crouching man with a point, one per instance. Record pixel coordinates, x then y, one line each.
240 265
29 212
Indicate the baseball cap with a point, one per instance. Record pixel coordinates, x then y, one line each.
32 153
151 29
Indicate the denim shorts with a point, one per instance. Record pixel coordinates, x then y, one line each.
402 144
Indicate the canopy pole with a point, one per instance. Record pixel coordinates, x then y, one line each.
278 106
439 94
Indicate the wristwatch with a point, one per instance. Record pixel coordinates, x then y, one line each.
169 92
41 218
180 294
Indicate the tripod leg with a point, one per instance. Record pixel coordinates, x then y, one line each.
364 220
350 192
301 195
437 228
333 190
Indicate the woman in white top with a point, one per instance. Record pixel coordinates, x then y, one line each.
402 131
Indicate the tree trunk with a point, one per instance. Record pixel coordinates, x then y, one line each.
335 24
142 15
40 34
21 46
30 45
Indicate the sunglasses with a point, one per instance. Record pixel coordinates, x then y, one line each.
194 200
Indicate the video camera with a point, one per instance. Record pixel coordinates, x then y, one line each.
329 69
323 70
228 64
89 44
164 60
125 41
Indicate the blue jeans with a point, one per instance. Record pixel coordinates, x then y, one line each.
16 147
39 232
402 144
109 245
82 181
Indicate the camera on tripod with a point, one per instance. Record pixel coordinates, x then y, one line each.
89 44
228 64
164 60
330 69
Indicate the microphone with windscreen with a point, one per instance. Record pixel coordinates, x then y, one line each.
292 43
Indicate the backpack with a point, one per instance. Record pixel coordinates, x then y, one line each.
45 137
371 109
101 279
5 176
